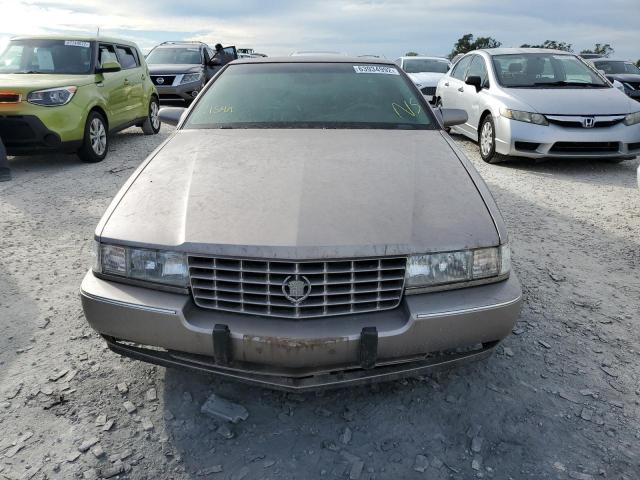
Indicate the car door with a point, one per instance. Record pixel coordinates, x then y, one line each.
229 55
472 100
453 84
134 76
112 86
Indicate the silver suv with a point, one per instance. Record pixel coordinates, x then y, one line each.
179 70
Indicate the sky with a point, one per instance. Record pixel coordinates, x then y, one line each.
380 27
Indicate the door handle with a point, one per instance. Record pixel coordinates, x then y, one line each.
142 77
461 89
126 81
446 84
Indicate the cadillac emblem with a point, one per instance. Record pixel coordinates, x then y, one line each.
296 288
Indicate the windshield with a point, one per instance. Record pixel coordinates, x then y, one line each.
544 70
311 95
180 56
613 67
47 56
425 65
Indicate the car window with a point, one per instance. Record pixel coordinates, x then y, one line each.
544 70
126 57
461 67
47 57
175 55
417 65
616 66
477 68
311 95
107 53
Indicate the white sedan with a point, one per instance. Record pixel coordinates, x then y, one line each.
537 103
425 72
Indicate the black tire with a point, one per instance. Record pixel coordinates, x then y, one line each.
487 141
95 143
151 125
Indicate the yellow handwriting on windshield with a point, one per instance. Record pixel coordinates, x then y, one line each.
221 109
411 108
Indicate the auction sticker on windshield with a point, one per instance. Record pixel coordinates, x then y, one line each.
376 69
77 43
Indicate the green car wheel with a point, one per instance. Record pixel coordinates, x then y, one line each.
95 144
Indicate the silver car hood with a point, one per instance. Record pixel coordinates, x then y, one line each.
426 79
302 194
170 68
571 101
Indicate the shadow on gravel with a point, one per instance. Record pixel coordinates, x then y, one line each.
514 415
591 171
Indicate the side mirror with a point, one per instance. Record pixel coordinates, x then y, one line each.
107 67
171 115
453 116
474 81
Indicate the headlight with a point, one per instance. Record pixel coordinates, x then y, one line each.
528 117
156 266
632 118
457 267
191 77
52 97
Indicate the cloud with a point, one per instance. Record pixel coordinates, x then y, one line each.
388 27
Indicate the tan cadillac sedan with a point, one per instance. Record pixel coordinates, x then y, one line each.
309 224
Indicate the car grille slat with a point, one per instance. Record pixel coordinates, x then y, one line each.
335 287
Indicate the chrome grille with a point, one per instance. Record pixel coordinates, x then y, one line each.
337 287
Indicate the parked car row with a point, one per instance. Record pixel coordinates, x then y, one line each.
538 103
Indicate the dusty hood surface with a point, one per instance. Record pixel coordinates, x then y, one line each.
169 68
573 101
426 79
25 82
303 194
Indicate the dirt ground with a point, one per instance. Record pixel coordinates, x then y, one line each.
559 400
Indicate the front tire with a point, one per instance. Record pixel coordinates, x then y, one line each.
151 125
487 141
95 143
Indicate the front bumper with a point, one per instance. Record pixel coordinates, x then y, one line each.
186 92
422 334
538 141
25 134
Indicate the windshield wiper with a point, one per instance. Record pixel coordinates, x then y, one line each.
564 83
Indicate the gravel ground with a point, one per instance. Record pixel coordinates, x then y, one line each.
560 399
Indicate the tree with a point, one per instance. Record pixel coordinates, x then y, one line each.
551 44
411 54
466 43
602 49
638 64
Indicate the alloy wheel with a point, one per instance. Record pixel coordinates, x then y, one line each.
486 139
154 115
98 136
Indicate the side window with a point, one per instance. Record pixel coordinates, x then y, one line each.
478 68
106 54
126 57
461 67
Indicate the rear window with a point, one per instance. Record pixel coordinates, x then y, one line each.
311 95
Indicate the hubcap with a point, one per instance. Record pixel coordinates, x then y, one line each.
486 139
154 115
98 136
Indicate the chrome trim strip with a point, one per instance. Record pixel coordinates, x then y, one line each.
118 303
468 310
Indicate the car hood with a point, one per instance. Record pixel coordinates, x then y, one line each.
570 101
23 82
426 79
168 68
302 194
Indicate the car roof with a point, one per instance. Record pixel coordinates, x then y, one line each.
425 57
86 38
317 59
516 51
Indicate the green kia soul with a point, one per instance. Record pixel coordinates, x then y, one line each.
68 94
